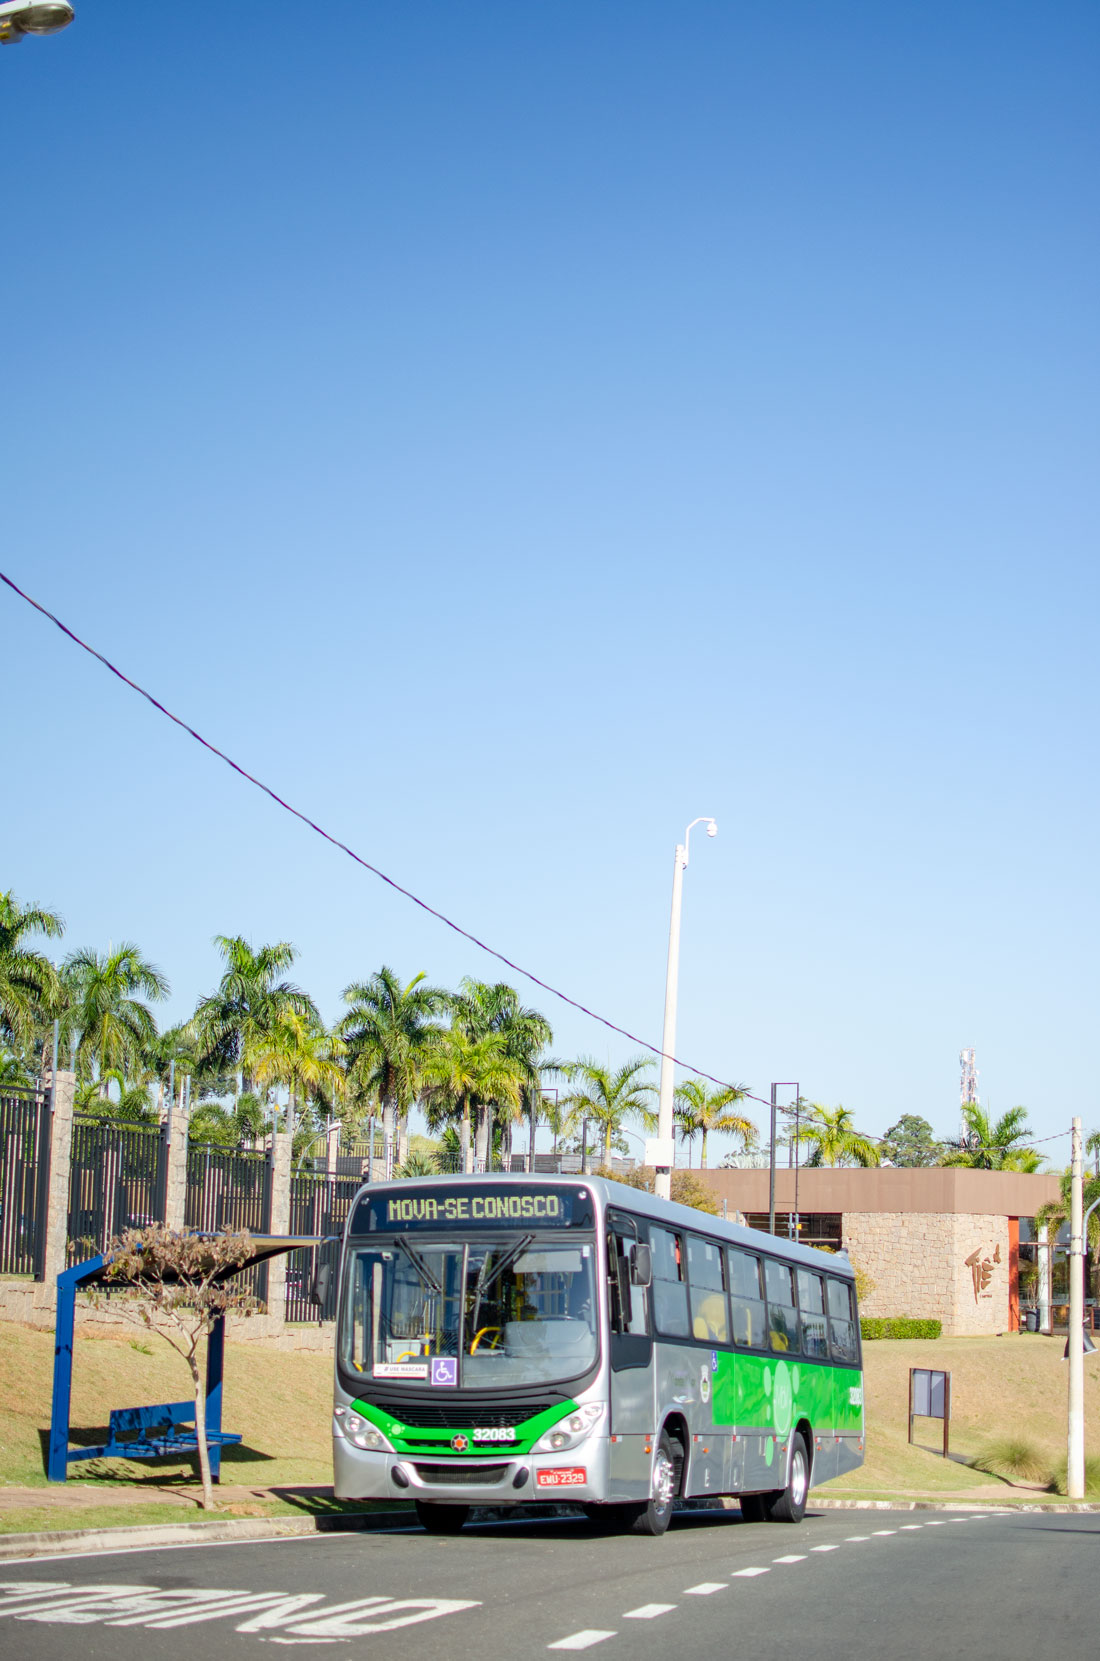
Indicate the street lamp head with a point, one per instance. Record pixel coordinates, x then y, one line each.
712 828
32 17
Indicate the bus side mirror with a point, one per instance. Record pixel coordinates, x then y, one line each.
641 1265
322 1281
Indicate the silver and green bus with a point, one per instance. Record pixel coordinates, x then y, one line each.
508 1340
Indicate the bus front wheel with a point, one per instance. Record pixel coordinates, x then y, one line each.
655 1516
788 1505
441 1519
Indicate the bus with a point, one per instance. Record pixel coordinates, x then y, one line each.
503 1340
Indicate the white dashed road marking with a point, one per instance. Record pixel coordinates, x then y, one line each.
825 1548
582 1640
852 1538
648 1611
906 1527
885 1530
747 1574
705 1588
794 1557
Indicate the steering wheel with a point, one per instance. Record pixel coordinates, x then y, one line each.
494 1342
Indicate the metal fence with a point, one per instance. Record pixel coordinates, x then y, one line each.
230 1188
116 1181
563 1164
318 1205
24 1179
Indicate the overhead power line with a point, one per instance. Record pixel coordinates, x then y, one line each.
390 882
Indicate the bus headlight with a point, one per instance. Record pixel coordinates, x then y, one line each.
568 1432
365 1435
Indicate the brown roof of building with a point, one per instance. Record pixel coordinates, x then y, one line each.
938 1188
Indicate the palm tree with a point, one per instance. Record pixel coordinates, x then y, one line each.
116 1029
701 1110
1001 1145
480 1010
463 1076
831 1134
29 984
132 1104
608 1095
249 1001
299 1053
12 1070
388 1034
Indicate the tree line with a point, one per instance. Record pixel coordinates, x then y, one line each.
257 1055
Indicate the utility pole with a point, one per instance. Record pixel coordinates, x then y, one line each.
771 1170
1075 1466
771 1159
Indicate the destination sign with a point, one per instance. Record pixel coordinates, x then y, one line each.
496 1205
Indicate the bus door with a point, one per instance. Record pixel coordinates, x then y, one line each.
631 1363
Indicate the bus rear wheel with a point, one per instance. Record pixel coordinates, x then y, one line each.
441 1519
788 1505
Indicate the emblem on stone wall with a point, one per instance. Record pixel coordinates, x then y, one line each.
981 1269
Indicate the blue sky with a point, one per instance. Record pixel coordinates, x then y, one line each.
513 430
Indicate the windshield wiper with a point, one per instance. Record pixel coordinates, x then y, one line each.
419 1265
507 1258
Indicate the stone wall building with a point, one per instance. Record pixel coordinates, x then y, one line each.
940 1243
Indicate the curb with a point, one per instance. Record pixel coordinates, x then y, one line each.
60 1542
996 1506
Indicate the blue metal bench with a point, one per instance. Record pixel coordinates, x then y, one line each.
151 1432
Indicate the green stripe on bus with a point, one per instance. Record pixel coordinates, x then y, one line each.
412 1439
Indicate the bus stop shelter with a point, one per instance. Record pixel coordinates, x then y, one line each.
163 1427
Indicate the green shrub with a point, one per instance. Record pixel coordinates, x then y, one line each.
1014 1459
898 1326
1058 1482
687 1189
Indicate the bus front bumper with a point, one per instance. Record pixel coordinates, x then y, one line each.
578 1475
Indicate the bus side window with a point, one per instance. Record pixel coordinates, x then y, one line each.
708 1291
627 1300
782 1311
670 1293
811 1309
746 1300
843 1331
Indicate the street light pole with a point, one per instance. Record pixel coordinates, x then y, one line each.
1075 1450
663 1148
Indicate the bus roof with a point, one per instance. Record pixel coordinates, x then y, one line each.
622 1197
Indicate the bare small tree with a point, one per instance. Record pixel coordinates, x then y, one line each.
170 1283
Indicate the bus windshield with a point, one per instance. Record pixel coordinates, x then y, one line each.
507 1311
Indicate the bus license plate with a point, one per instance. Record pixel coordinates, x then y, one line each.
562 1476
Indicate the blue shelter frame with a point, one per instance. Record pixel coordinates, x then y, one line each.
165 1427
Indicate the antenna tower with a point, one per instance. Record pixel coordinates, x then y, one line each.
968 1079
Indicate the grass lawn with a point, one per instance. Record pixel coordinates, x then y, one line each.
281 1402
1000 1386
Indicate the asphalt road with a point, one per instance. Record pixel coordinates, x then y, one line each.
849 1585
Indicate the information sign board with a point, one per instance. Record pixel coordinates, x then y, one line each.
930 1398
